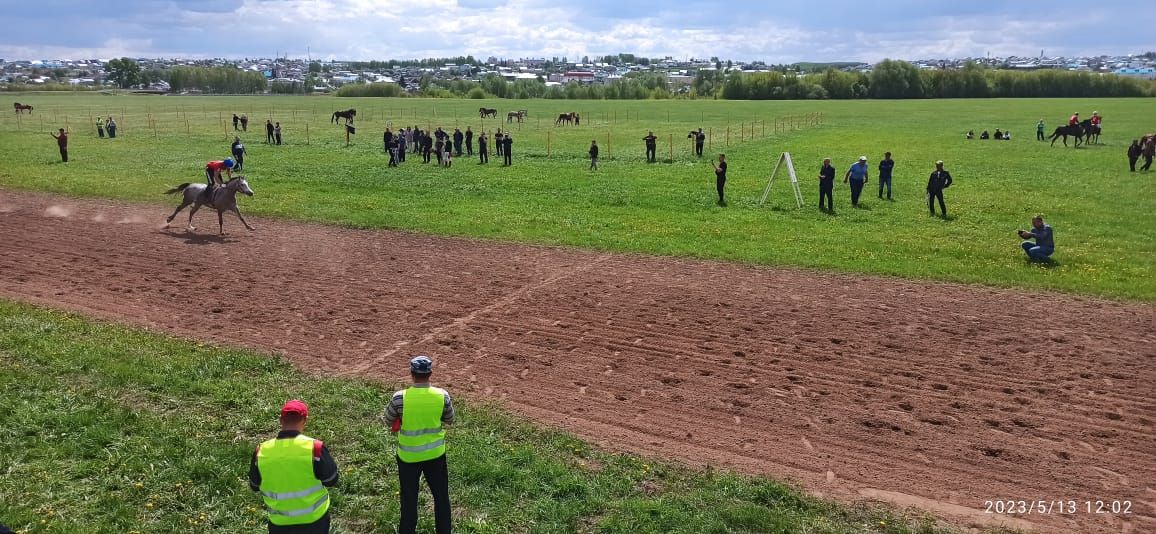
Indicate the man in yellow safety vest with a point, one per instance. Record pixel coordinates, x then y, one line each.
423 412
293 472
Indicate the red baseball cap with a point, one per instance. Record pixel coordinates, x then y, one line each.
296 407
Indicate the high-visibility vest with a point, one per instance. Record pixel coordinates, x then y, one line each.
292 493
421 436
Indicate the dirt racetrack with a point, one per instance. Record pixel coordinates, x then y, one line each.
941 396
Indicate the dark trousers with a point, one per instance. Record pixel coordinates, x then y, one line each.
100 131
437 477
269 136
650 153
425 155
509 160
826 192
698 149
1147 163
498 148
887 181
321 526
64 154
933 194
401 154
720 185
239 157
469 146
278 137
483 154
1039 135
856 190
1132 163
112 132
457 148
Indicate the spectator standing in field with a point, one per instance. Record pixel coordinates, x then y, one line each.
720 178
293 473
651 147
111 127
100 127
1044 246
244 122
1134 152
827 185
439 146
936 183
483 149
1040 130
886 165
236 122
857 176
498 142
238 151
423 412
458 138
593 154
269 131
62 143
699 141
448 156
277 133
401 146
469 141
426 146
391 147
386 139
508 148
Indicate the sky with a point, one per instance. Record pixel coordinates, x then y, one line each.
775 32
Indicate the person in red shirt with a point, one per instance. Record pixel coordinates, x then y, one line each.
1074 119
62 142
213 171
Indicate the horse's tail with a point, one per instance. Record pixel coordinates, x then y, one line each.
333 119
177 188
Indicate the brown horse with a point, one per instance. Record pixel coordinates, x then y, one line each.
565 118
520 115
21 107
348 115
488 112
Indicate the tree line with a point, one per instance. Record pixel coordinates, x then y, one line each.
216 80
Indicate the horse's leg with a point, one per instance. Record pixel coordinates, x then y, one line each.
221 221
196 206
175 212
243 221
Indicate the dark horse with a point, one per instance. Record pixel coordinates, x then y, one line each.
21 107
488 112
1092 132
566 118
1078 131
348 115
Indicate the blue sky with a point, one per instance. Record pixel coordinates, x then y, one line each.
743 30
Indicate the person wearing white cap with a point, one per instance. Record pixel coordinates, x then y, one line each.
857 176
419 415
936 183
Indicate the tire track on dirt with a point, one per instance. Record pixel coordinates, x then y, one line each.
940 396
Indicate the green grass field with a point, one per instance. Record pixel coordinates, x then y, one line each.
110 429
1104 216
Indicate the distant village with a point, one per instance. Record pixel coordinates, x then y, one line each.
326 76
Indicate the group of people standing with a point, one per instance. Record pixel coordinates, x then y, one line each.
293 472
102 125
857 177
444 146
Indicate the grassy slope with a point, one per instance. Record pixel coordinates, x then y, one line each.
109 429
1105 217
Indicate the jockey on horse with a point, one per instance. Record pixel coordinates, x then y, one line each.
213 174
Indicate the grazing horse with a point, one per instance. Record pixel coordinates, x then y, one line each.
21 107
1076 131
567 118
348 115
224 199
488 112
520 115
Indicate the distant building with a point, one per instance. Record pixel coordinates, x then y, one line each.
580 76
1148 73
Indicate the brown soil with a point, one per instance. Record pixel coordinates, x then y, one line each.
940 396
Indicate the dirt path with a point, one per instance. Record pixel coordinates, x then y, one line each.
936 395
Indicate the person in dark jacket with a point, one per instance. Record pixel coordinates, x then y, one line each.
651 147
469 141
236 122
458 138
885 167
62 143
269 131
827 185
1134 152
507 148
483 148
720 178
498 142
275 462
238 151
593 154
936 183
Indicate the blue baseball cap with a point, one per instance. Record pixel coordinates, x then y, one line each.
421 365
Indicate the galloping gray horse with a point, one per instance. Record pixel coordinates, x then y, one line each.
224 199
